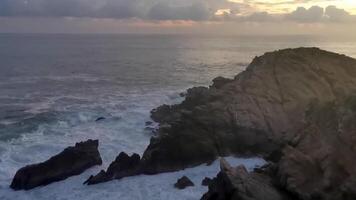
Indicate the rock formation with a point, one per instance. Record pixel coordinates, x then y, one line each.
319 163
123 166
237 184
256 113
71 161
262 111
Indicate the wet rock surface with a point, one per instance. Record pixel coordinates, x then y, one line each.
71 161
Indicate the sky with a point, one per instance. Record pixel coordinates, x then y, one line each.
230 17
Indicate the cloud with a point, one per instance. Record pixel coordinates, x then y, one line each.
319 14
164 11
194 10
117 9
71 8
334 14
301 14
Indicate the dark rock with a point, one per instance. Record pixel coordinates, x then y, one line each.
183 183
206 181
238 184
100 119
72 161
123 166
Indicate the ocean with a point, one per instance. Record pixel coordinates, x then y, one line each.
53 87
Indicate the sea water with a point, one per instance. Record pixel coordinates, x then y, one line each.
54 87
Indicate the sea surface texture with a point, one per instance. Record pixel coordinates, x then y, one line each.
53 88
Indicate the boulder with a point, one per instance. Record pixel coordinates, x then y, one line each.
123 166
183 183
238 184
71 161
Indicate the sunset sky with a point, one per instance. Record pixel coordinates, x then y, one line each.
335 17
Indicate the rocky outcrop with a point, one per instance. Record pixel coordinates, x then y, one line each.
257 112
183 183
238 184
123 166
319 163
71 161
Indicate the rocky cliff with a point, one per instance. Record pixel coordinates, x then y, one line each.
319 163
256 113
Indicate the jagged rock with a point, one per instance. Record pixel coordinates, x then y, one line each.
183 183
206 181
238 184
256 113
320 162
123 166
71 161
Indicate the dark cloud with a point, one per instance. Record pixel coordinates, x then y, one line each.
118 9
71 8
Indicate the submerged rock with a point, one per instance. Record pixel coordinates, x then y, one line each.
123 166
183 183
256 113
71 161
